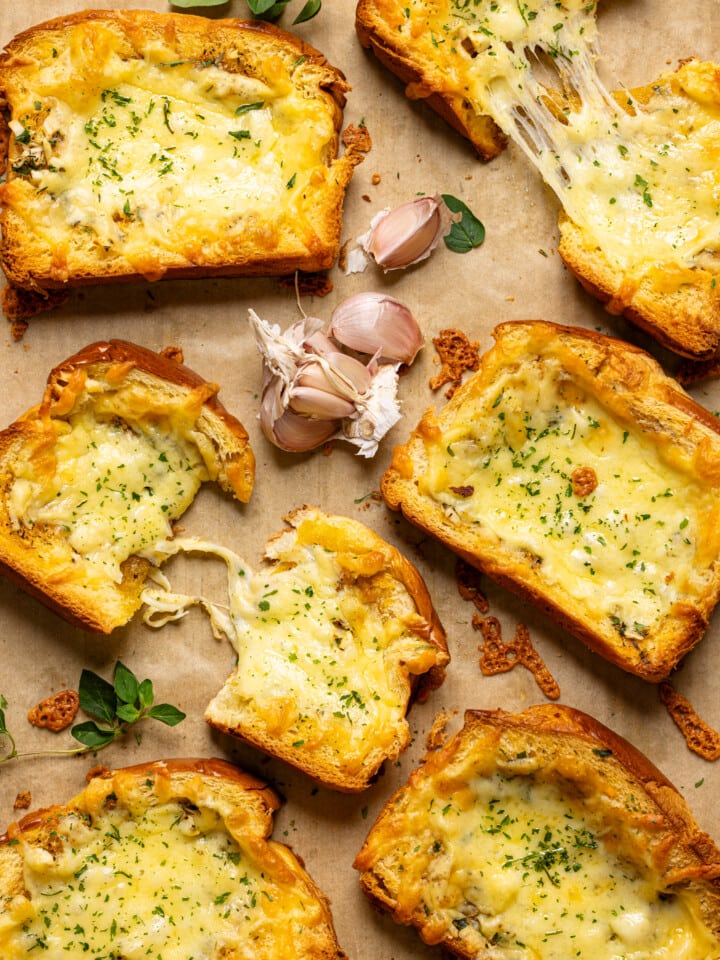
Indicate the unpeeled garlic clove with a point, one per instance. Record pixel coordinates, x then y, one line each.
319 404
291 431
407 234
379 325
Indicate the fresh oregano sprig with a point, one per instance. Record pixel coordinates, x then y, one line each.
116 707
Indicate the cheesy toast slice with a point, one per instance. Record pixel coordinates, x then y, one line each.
335 636
150 145
635 171
93 477
573 471
544 834
167 859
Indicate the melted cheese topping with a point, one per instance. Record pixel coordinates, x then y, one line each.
321 658
627 549
508 862
641 178
160 150
171 882
114 490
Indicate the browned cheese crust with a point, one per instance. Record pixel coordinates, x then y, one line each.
637 810
113 382
245 806
302 234
637 402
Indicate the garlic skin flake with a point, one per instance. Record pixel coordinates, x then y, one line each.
312 392
406 235
379 325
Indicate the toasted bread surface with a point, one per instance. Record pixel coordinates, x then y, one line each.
94 475
638 222
544 834
573 471
169 858
150 145
335 636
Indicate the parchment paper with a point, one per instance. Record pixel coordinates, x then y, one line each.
516 274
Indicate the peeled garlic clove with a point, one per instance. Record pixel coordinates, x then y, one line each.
377 324
296 434
319 404
408 234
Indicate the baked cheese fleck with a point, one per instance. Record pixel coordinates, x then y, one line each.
637 174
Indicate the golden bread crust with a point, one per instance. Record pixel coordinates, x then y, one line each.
245 806
334 727
111 383
272 240
628 390
632 804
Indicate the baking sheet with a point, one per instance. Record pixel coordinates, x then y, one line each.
516 274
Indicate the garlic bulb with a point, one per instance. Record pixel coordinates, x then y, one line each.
377 324
405 235
313 392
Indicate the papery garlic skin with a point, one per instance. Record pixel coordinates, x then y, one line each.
407 234
379 412
379 325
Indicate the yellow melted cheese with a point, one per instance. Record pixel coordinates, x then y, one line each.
642 181
170 882
320 662
161 151
626 550
114 491
509 862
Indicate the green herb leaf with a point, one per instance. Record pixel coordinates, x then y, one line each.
197 3
310 10
97 696
146 695
128 713
166 713
91 735
468 232
267 9
126 684
247 107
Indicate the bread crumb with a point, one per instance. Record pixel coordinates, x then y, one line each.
436 735
56 712
497 656
98 771
367 198
23 800
375 179
468 584
173 353
308 284
20 304
342 256
457 354
699 736
357 138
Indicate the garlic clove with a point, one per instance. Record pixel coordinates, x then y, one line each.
377 324
351 370
296 434
407 234
319 404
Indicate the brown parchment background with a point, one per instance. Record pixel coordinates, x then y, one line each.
516 274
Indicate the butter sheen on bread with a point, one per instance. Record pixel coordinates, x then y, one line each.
170 858
635 172
545 835
93 477
335 636
573 471
150 145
